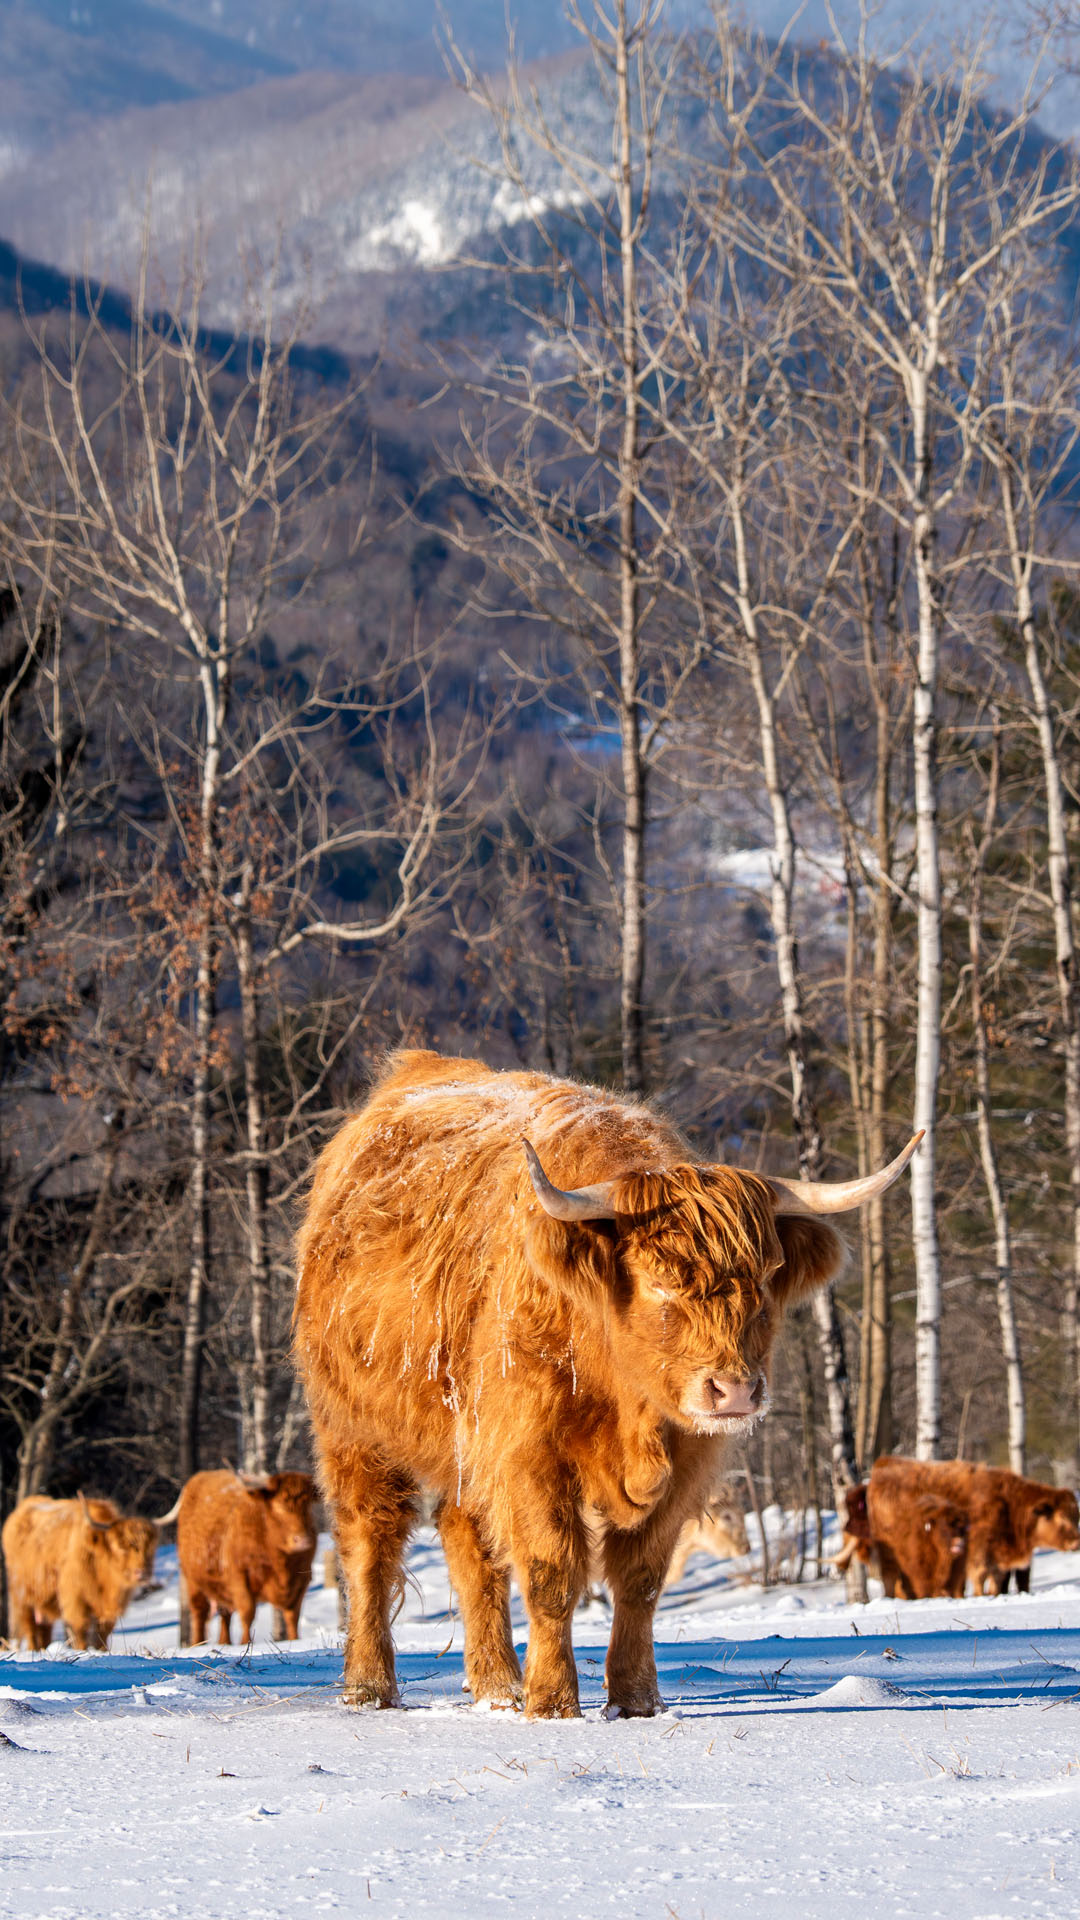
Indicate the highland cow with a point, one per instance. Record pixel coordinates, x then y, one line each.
75 1560
559 1363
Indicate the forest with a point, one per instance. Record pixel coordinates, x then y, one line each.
658 664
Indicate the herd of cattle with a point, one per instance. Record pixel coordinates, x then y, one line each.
241 1538
534 1301
930 1527
924 1529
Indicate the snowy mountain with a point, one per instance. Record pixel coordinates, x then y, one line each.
322 140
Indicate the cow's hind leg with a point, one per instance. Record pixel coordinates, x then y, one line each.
482 1586
199 1613
374 1506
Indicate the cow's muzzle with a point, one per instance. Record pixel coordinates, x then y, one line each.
725 1397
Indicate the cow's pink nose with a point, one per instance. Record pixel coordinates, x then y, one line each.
728 1395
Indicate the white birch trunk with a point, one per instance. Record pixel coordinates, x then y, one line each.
1010 1343
928 1017
1060 877
256 1185
804 1113
633 767
214 680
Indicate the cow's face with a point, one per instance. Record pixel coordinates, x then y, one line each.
132 1545
948 1524
856 1516
1057 1522
290 1498
699 1268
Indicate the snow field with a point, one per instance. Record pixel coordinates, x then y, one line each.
908 1759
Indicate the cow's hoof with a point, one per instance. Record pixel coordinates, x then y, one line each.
639 1708
552 1710
366 1693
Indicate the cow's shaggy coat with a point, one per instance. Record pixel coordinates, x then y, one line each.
558 1383
73 1560
240 1543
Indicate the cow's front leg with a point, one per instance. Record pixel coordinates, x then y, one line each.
482 1585
635 1567
550 1552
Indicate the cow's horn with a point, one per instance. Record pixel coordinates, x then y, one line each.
580 1203
840 1196
166 1519
255 1482
99 1526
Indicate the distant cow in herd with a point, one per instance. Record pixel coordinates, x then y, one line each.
242 1538
931 1526
79 1561
533 1299
720 1530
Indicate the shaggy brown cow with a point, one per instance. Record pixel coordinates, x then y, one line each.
560 1367
1008 1515
73 1560
242 1538
919 1541
720 1530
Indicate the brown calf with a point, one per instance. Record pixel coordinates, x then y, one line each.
75 1560
243 1538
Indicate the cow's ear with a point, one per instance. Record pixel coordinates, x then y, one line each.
575 1258
813 1253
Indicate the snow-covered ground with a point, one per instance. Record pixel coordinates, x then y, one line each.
911 1759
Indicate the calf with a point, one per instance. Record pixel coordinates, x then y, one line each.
242 1538
76 1560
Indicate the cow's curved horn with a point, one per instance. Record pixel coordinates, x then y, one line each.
166 1519
254 1482
579 1203
840 1196
99 1526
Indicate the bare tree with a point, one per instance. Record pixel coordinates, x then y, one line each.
583 527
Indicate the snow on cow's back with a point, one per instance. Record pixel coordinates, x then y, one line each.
587 1133
440 1138
418 1204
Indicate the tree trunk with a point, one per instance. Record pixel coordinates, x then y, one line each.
257 1184
878 1432
1060 877
633 765
803 1111
928 1017
39 1442
1010 1345
214 679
